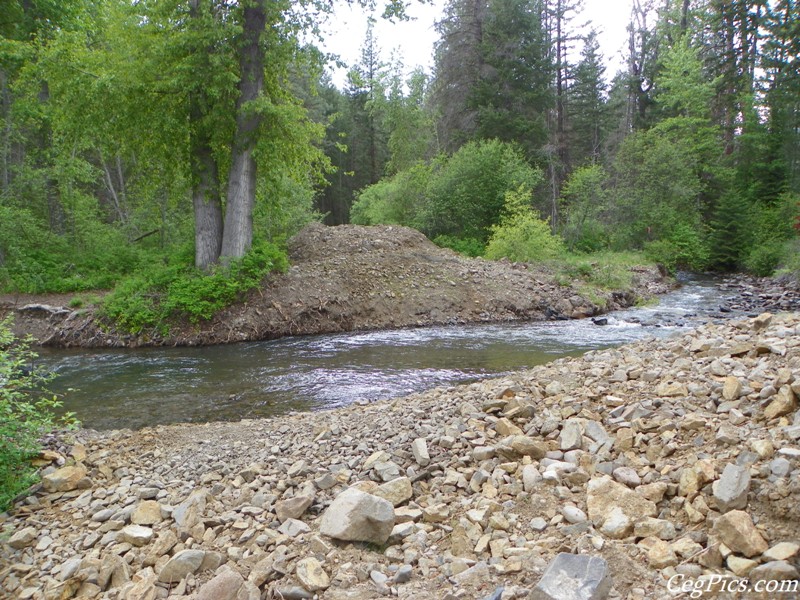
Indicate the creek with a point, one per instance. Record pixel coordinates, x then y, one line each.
111 389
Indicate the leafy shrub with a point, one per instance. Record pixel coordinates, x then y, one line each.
466 246
393 201
684 247
521 235
151 300
765 258
25 414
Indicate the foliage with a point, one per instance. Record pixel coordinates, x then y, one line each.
26 413
585 204
684 247
521 235
150 300
394 200
467 192
466 246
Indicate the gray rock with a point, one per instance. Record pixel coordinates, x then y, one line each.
731 489
224 586
780 467
574 577
22 538
571 435
419 449
293 508
181 565
356 516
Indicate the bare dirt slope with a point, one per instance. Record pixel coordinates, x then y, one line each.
353 278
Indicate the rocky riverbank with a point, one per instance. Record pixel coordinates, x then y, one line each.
350 278
650 471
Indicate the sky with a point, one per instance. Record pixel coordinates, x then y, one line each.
413 41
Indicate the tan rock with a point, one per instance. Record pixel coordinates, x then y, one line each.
672 389
225 585
782 551
146 513
731 388
293 508
783 403
397 491
736 530
605 495
660 555
505 427
136 535
740 566
311 575
23 538
66 479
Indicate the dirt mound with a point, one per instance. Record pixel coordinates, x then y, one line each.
358 278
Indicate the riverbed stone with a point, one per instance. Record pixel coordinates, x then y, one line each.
147 512
182 564
736 530
605 496
293 508
784 403
311 575
358 517
225 585
397 491
23 538
419 448
731 489
66 479
574 577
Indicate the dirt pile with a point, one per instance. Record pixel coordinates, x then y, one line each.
358 278
669 466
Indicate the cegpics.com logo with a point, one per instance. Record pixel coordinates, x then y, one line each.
697 588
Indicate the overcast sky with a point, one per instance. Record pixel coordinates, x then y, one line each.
413 41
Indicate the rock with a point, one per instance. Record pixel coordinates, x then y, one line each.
736 530
672 389
740 567
531 478
782 404
660 555
731 489
571 437
181 565
573 514
397 491
605 496
627 476
659 528
66 479
311 575
776 570
403 574
23 538
782 551
731 388
225 585
136 535
574 577
419 448
356 516
146 513
293 508
436 513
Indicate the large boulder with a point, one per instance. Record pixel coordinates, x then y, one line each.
356 516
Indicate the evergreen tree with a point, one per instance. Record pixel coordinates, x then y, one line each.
588 113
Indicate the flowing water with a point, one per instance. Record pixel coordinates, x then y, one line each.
135 388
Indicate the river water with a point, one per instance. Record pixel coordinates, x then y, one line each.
110 389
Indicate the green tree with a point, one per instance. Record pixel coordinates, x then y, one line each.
587 111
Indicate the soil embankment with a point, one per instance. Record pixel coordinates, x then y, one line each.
351 278
665 465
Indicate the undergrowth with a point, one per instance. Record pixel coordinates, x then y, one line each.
151 300
26 413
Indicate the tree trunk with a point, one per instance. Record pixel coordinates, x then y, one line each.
238 233
206 199
207 207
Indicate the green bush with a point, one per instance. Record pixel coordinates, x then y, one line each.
26 413
522 236
466 246
682 248
149 301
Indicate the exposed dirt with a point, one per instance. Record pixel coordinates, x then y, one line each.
352 278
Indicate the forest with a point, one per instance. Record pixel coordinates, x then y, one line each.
167 149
